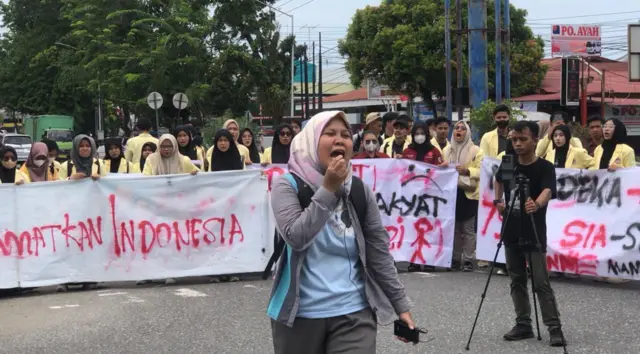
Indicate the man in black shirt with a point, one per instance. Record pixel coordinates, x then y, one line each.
520 238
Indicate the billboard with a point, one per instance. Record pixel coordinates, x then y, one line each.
576 40
380 92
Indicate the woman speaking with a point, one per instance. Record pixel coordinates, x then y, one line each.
336 278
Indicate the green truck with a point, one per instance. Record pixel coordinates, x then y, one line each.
53 127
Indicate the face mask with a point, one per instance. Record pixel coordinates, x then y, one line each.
502 123
420 139
9 164
38 163
371 147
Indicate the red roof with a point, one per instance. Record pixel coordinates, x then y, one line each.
616 80
355 95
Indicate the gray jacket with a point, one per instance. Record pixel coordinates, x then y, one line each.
385 294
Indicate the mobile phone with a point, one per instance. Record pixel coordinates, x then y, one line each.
402 330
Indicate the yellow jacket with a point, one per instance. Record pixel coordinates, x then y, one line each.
187 167
489 143
434 142
474 171
623 155
125 166
576 158
545 146
97 168
244 154
23 174
387 145
134 146
265 157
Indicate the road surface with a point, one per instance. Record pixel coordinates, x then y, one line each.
194 316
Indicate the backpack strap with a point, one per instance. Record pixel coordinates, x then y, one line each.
305 193
358 199
69 168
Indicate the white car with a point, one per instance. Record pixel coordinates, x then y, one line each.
22 144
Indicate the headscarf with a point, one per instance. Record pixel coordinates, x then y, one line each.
462 152
304 161
167 165
609 146
115 162
561 151
225 160
424 148
197 140
280 153
8 175
83 164
190 149
153 147
38 174
253 149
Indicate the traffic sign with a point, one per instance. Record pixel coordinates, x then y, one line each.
180 101
154 100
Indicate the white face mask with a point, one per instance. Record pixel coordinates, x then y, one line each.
38 163
9 164
420 138
371 147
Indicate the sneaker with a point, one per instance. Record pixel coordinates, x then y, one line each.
234 279
519 332
214 280
143 282
169 281
483 264
62 288
501 271
556 337
467 267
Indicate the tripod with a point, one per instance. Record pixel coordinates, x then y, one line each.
523 192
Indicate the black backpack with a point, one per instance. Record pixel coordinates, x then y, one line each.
305 193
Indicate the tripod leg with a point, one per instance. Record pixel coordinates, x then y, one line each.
534 291
486 286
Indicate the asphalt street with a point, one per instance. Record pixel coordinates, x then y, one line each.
193 316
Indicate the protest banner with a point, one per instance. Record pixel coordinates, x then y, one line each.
125 229
592 225
417 205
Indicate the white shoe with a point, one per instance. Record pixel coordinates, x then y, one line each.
62 288
169 281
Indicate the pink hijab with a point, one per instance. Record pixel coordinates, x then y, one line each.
304 161
38 174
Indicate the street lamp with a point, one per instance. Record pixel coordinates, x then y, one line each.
293 50
99 125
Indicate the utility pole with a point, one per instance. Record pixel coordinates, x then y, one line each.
507 50
306 83
320 94
447 43
498 40
459 70
313 76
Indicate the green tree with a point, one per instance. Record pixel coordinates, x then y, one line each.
482 118
401 44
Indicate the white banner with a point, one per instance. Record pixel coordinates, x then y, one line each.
417 204
125 229
592 226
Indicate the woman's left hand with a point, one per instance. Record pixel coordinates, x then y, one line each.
408 319
613 167
462 170
95 176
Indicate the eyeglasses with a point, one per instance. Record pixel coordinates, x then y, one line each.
285 134
10 158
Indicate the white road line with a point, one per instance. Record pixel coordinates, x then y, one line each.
63 306
112 294
185 292
133 300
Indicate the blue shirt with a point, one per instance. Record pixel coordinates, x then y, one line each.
331 282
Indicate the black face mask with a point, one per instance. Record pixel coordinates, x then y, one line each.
502 123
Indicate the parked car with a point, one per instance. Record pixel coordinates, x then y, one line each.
22 143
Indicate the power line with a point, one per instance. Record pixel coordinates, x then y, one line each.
297 7
583 16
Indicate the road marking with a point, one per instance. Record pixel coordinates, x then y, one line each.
185 292
63 306
112 294
132 300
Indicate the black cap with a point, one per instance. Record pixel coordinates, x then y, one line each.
401 122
